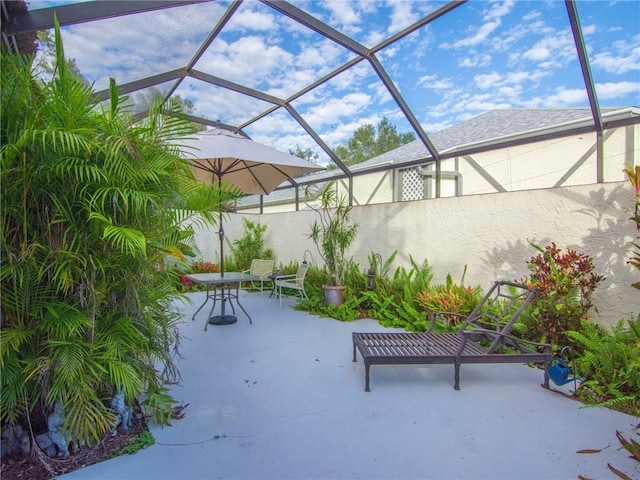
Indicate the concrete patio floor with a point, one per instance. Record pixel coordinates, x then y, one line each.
282 399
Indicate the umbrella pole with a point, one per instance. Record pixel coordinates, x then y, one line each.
222 319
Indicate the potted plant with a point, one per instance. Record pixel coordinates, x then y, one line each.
333 233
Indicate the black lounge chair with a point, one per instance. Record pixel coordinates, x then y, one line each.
483 337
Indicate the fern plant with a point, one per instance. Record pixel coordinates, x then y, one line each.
610 364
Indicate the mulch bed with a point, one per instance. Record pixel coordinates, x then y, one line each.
41 467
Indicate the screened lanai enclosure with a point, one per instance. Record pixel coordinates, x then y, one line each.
510 126
523 116
463 77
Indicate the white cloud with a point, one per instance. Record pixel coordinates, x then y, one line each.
341 133
623 58
272 127
344 17
402 15
492 19
475 60
555 50
325 53
248 60
612 90
229 107
129 47
537 53
334 110
380 92
424 80
567 96
248 19
494 79
485 105
498 10
520 77
487 80
532 16
480 35
479 103
354 76
511 92
374 37
433 82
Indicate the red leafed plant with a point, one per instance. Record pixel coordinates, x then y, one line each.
205 267
197 267
186 282
564 282
634 178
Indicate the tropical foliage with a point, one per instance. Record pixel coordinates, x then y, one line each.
610 364
634 178
251 245
565 282
392 301
450 297
89 215
333 232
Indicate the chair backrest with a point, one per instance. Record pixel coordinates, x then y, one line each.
301 273
498 310
262 268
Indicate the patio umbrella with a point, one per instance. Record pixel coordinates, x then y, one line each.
252 167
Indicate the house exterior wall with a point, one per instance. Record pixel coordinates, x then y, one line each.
488 233
551 163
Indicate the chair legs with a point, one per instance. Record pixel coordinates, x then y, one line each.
302 293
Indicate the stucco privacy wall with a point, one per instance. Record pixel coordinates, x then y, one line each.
488 233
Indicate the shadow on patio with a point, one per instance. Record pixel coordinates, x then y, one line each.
282 399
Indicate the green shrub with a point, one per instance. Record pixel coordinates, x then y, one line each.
564 282
450 297
251 245
392 301
634 177
405 285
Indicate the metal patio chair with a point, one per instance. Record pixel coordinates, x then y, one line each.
262 269
293 282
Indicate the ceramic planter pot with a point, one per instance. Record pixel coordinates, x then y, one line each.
333 294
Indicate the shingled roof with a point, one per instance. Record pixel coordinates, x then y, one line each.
491 125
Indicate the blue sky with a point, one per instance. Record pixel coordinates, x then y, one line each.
481 56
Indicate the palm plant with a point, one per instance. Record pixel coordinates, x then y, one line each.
89 210
333 232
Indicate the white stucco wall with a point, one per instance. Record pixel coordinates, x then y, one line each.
490 233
